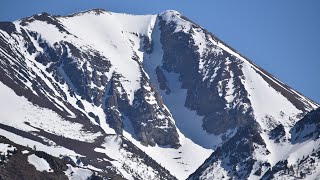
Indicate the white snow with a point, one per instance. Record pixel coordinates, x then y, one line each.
100 113
180 162
118 38
200 41
205 47
274 110
49 32
187 121
126 162
141 24
270 107
112 143
316 175
214 171
294 153
150 98
25 152
41 71
120 168
297 151
39 163
75 173
253 66
174 16
111 35
229 95
274 104
195 143
15 111
88 107
4 148
52 150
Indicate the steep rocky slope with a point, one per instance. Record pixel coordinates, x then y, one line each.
144 97
242 157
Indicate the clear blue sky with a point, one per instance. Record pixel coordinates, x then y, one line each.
282 36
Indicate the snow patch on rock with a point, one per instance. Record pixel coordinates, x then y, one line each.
39 163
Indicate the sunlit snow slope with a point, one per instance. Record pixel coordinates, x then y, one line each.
143 97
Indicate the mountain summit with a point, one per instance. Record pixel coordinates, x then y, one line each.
102 94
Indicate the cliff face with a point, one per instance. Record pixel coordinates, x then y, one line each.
125 90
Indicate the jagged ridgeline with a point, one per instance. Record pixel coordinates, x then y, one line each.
100 94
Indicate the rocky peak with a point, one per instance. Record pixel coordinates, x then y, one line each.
161 81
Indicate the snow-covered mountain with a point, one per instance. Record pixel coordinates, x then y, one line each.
145 97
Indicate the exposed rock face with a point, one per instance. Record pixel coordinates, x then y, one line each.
86 74
181 56
277 133
163 82
234 158
308 128
240 152
18 167
152 120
